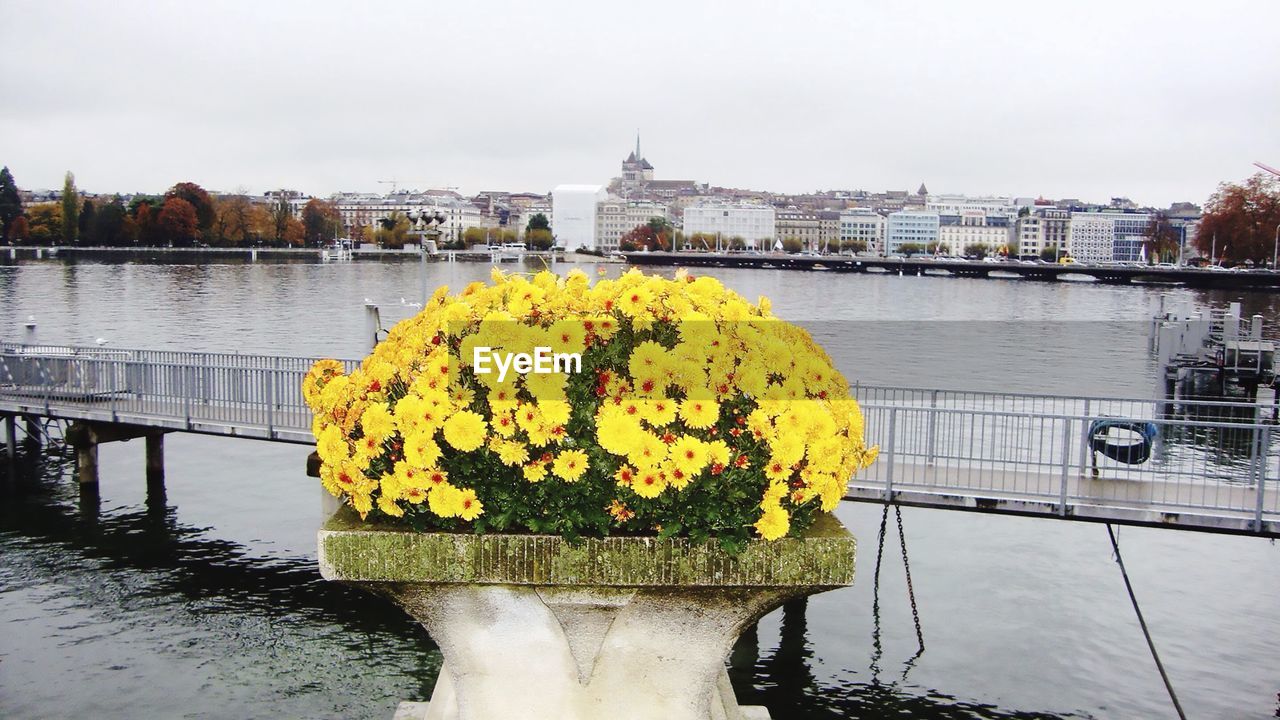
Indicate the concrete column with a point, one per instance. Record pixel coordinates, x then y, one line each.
10 437
155 458
87 461
32 431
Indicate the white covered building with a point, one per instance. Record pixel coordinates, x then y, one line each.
573 215
755 224
910 227
862 225
1097 237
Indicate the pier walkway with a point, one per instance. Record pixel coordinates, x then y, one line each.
1212 466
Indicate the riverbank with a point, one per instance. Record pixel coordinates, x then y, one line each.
206 254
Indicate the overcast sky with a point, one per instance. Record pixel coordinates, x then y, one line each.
1157 101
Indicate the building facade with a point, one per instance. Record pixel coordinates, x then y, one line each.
616 217
1100 237
755 224
573 215
862 225
910 227
1043 229
961 233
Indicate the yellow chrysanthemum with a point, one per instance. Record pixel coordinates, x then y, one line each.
465 430
649 483
699 413
377 421
773 523
689 454
570 465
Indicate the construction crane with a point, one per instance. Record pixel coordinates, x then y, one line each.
395 183
1268 168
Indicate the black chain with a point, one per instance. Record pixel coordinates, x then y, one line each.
877 650
911 592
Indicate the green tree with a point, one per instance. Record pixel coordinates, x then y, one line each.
539 239
977 250
910 249
1050 254
88 216
70 208
109 226
539 221
321 221
792 244
10 202
392 231
1243 219
473 236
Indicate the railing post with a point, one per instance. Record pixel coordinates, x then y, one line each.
1084 437
188 387
888 473
1066 466
930 432
271 403
1262 476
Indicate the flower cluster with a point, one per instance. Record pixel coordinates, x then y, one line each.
691 412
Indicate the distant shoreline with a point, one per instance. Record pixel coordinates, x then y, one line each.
409 254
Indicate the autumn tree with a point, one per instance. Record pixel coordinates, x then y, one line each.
232 224
46 223
10 203
473 236
177 222
640 237
281 213
199 200
321 221
149 233
18 230
1162 238
70 208
1241 222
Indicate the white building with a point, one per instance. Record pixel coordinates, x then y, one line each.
616 217
959 232
573 215
364 210
960 204
1097 237
915 227
862 225
755 224
1044 229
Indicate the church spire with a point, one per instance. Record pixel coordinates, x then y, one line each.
638 155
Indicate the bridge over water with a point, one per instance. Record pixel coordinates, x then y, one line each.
1213 466
1190 277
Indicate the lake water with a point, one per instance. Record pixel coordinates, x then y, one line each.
204 601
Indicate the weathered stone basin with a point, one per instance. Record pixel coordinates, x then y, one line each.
623 628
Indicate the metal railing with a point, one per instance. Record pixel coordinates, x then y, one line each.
1211 464
221 393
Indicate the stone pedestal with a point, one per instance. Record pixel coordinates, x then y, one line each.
620 628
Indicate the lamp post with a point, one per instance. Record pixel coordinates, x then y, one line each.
1275 249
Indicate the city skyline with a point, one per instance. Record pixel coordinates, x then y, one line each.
987 99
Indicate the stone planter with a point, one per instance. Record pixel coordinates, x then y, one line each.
621 628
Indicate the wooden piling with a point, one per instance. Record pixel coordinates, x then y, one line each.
87 461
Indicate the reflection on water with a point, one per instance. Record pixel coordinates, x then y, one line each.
223 630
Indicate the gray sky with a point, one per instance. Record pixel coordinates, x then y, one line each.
1158 101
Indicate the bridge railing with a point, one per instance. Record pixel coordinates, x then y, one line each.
1194 465
185 388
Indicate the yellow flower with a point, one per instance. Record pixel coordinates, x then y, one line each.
620 512
464 430
421 450
688 454
658 411
469 506
777 470
699 413
510 454
389 506
634 302
570 465
377 421
616 431
535 472
445 501
773 523
649 483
